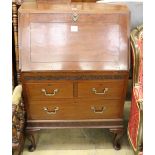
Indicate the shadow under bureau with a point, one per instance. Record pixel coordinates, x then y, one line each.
74 62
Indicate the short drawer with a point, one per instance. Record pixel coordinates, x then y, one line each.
46 91
75 110
107 89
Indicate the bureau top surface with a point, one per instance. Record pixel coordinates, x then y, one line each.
76 36
47 7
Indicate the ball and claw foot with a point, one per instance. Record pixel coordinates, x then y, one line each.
117 146
32 145
31 148
117 137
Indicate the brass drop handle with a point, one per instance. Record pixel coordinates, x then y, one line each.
49 94
52 112
99 93
98 111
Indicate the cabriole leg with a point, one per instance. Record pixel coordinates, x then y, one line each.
31 138
118 133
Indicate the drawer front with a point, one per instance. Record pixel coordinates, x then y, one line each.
107 89
75 110
51 110
100 109
48 91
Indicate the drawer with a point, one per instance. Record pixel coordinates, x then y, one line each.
100 109
75 110
110 89
50 110
48 91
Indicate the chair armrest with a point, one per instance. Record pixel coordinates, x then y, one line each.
135 37
17 94
16 98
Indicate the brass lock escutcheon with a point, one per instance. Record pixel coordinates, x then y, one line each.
75 16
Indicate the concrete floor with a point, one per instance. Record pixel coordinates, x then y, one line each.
79 141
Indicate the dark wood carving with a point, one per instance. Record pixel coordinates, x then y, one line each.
82 77
18 124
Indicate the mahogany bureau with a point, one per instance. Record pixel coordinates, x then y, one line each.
74 62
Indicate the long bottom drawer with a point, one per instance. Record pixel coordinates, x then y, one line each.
75 110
